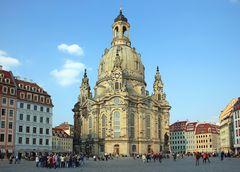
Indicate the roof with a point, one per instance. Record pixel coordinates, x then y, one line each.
59 133
190 126
237 105
178 126
6 77
228 109
120 17
205 128
64 126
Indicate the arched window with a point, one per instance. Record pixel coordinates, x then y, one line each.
131 125
124 31
116 33
116 124
148 131
104 126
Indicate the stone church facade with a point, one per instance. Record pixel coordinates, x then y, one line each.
121 118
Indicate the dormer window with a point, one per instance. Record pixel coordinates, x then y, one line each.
7 80
28 87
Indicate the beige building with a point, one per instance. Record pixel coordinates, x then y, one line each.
121 117
190 137
226 128
61 141
207 138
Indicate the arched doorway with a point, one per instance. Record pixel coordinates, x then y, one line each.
116 149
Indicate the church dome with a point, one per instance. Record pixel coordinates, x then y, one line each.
131 63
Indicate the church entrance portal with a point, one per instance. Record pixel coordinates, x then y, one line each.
116 149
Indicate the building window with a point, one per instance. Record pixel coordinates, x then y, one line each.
28 117
9 138
34 118
35 107
47 120
10 125
41 119
148 131
22 95
34 130
28 106
20 140
1 137
40 141
47 142
29 96
116 124
3 112
4 101
34 141
131 126
20 128
11 113
35 98
2 124
27 141
12 91
47 110
41 131
21 105
4 89
41 109
11 102
104 126
47 131
27 129
21 116
42 99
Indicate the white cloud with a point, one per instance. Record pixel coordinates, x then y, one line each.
69 74
8 62
73 49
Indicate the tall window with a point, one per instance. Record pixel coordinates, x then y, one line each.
148 131
131 126
104 126
159 127
116 123
90 125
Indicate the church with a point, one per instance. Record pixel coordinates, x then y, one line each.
121 118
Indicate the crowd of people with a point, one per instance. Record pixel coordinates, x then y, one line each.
59 160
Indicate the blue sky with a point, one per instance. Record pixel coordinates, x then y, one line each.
195 43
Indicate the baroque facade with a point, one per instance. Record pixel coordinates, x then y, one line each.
121 117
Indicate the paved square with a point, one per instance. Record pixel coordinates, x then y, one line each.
130 165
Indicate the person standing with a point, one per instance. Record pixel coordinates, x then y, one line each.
197 157
222 156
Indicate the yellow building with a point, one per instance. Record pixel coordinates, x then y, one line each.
226 128
61 141
121 117
207 138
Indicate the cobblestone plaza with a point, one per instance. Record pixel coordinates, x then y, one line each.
130 165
